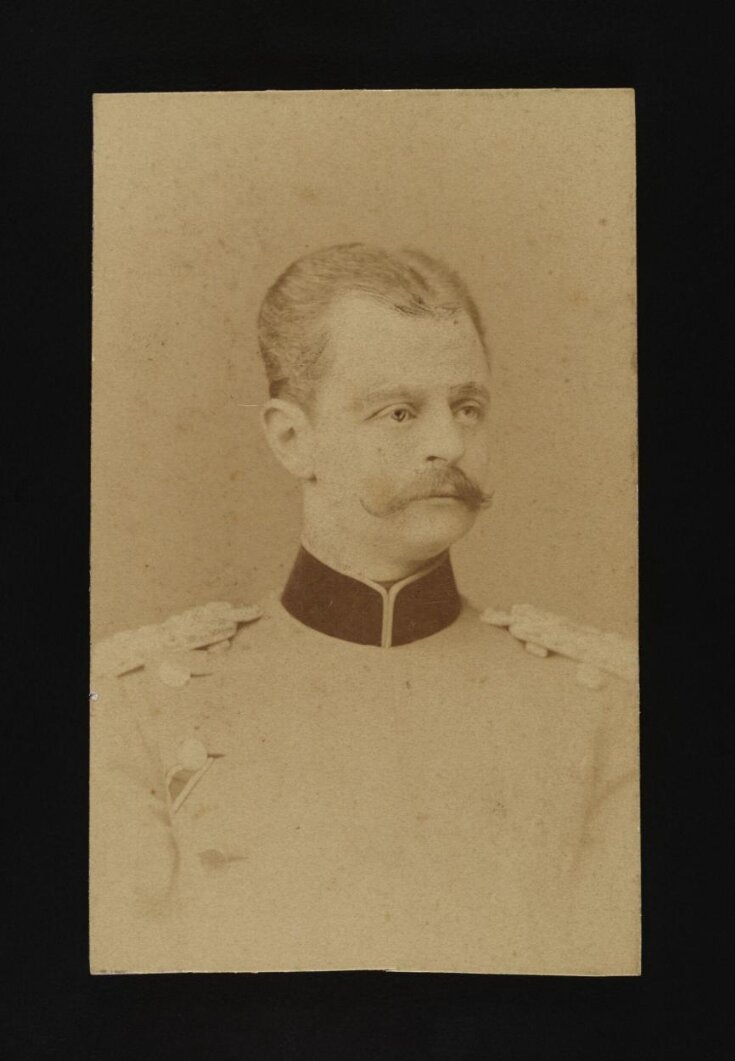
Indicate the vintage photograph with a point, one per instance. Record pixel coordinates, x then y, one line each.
364 667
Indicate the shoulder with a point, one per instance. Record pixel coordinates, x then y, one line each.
143 672
551 643
572 687
146 682
176 648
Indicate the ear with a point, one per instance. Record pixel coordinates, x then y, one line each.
289 434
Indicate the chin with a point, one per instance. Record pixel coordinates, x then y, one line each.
432 532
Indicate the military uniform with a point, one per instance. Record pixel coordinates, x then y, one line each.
359 776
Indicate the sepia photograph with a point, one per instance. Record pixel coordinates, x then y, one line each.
364 578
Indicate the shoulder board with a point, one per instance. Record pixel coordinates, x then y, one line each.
173 644
599 654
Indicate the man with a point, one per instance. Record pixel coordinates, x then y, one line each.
359 772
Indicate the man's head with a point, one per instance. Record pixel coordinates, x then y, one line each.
379 383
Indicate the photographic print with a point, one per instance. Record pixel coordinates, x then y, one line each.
364 544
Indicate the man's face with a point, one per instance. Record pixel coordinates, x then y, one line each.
400 427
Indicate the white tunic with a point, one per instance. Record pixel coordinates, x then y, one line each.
453 804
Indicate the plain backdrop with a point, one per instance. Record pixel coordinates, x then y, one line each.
202 199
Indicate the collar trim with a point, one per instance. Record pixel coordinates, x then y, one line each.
367 613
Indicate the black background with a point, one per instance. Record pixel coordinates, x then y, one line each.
55 56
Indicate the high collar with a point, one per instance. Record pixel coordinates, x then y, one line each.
366 612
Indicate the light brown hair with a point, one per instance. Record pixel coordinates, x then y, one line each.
292 328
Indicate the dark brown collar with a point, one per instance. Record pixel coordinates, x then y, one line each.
366 612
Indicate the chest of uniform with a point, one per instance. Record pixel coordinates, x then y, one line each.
420 764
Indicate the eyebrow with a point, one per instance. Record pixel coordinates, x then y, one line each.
402 393
471 390
388 394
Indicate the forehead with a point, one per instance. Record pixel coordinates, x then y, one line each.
373 343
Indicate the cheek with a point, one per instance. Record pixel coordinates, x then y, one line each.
359 462
382 471
346 472
477 454
378 490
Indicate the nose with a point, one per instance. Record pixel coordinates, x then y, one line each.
444 439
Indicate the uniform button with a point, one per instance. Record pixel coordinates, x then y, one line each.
174 673
192 755
219 858
214 858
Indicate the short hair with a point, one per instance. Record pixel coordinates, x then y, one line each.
292 331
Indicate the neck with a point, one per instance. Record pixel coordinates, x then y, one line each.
359 560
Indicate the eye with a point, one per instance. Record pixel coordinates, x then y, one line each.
399 414
470 412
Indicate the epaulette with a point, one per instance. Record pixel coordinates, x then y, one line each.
179 647
598 654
